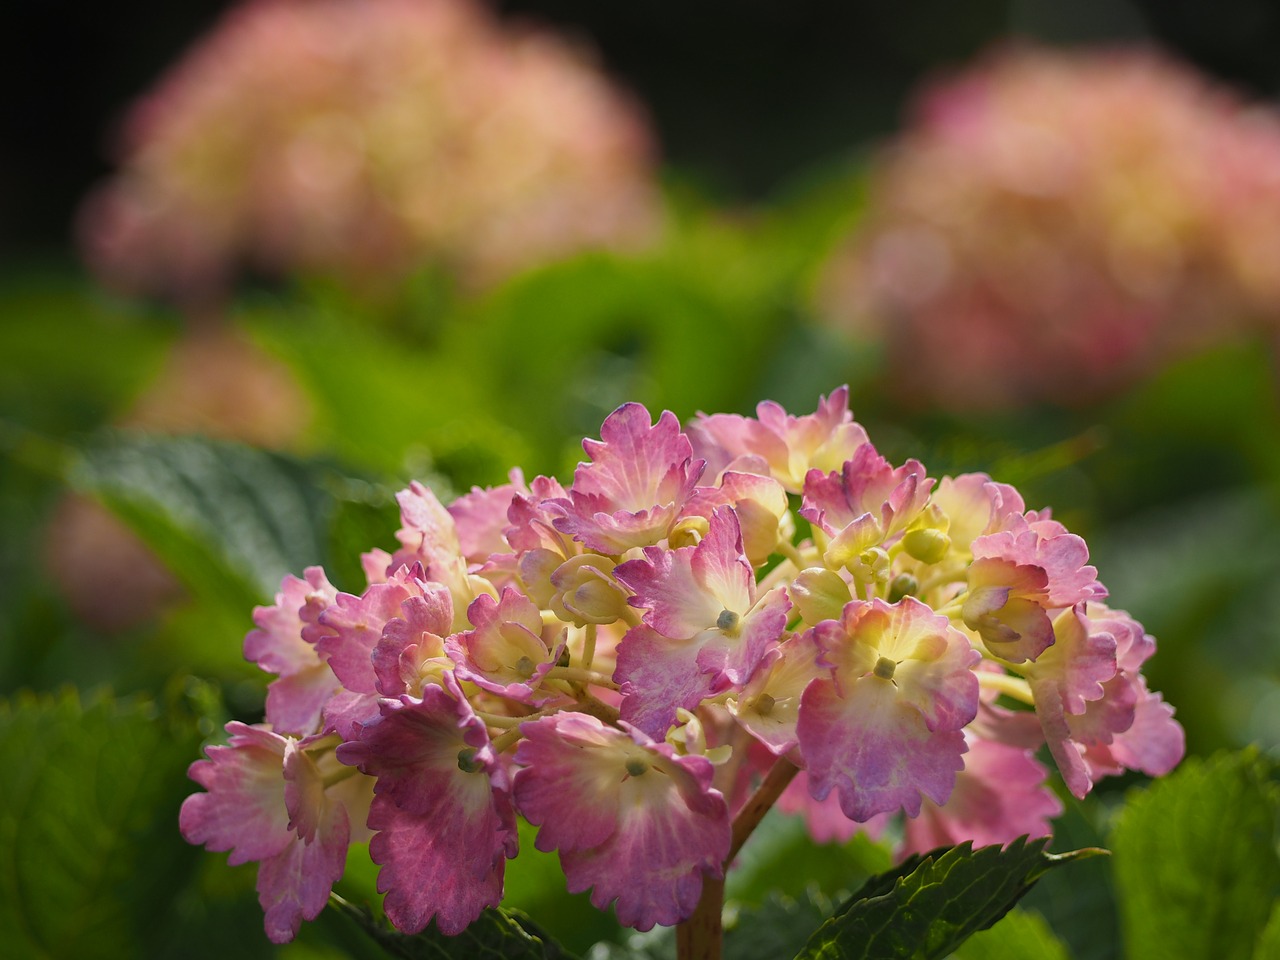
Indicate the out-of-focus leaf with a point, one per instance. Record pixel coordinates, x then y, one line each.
1020 935
389 405
88 824
496 935
779 927
1268 946
780 856
535 885
929 904
210 508
1079 904
1196 864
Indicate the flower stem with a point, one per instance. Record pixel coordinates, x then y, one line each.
579 675
701 936
749 817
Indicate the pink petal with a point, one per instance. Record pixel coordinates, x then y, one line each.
276 644
244 809
294 885
295 703
875 750
999 796
480 517
638 480
641 827
657 676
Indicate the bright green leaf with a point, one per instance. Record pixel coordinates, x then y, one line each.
1268 946
1197 872
932 902
1021 934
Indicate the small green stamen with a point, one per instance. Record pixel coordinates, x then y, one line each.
884 668
727 622
467 761
636 766
524 668
764 704
903 585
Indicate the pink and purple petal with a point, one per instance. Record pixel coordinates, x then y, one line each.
294 885
642 827
658 675
873 749
638 480
243 810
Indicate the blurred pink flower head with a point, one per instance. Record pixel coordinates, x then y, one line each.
1052 224
362 138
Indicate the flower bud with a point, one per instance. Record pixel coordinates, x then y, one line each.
585 591
903 585
928 540
926 544
819 594
688 532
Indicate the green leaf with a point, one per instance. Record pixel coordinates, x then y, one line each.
1197 871
88 825
782 856
932 902
496 935
777 928
1021 934
212 509
1079 904
1268 947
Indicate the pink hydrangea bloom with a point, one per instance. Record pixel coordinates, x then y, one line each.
645 827
613 661
884 728
266 801
442 813
304 684
629 495
365 138
790 446
703 630
506 653
1052 224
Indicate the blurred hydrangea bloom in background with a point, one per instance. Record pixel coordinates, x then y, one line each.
641 663
362 139
1052 224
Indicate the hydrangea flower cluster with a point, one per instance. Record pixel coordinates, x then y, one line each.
1051 224
364 137
640 663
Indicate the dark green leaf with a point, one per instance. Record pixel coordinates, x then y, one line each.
88 824
1196 866
212 509
782 856
777 928
931 903
496 935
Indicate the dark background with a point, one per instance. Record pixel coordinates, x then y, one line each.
744 94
